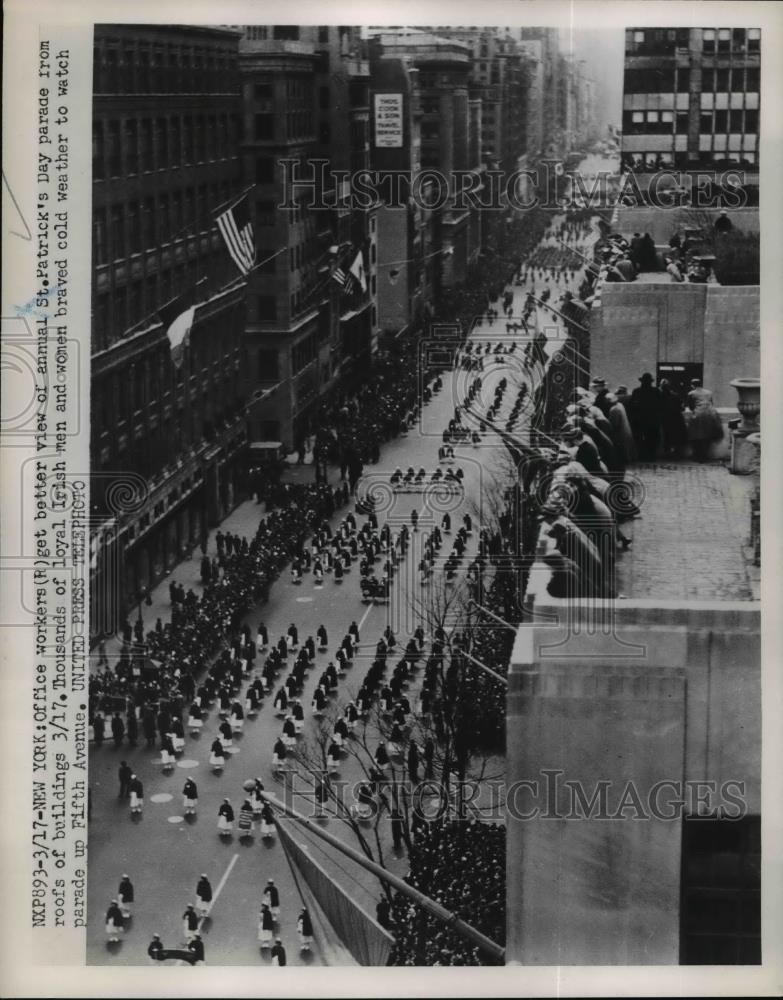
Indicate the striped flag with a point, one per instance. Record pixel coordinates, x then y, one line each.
236 229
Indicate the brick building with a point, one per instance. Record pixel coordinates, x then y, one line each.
166 443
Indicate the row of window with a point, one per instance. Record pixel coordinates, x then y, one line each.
133 146
650 40
636 122
129 308
718 159
297 125
737 78
135 226
138 66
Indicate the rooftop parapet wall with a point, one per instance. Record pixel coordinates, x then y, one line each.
635 326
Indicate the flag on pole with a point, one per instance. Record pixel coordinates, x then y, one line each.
340 277
236 228
177 317
357 270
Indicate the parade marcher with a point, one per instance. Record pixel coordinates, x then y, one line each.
124 774
155 948
136 795
256 798
304 928
226 818
245 823
267 822
266 926
196 947
203 895
190 921
217 755
189 797
125 896
272 899
278 953
115 923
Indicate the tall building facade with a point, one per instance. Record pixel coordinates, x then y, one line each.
444 68
305 99
691 98
167 443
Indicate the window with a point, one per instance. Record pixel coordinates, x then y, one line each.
268 365
722 80
99 238
721 121
148 220
751 121
735 121
131 147
652 117
738 39
187 139
752 80
146 145
117 232
285 32
267 308
165 218
724 40
113 149
754 39
97 151
667 117
134 228
265 127
265 213
638 37
682 121
176 141
162 142
637 117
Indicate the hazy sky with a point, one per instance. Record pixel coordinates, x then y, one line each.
603 50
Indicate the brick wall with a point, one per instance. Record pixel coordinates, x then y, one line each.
636 326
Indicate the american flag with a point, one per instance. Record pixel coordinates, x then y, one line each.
236 229
343 278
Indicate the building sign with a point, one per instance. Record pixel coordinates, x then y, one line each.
388 121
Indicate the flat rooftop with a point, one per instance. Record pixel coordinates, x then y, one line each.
692 541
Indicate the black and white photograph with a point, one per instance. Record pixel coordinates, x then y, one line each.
402 606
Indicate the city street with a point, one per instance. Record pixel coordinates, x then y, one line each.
163 852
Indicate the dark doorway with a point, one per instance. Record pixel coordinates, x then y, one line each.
679 375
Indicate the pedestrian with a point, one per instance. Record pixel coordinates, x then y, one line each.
117 730
704 424
413 762
645 416
136 795
125 896
196 948
132 727
190 921
272 899
304 928
155 949
189 797
266 926
115 924
98 729
673 426
226 818
203 895
278 953
124 774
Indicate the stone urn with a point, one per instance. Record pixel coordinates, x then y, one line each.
749 404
